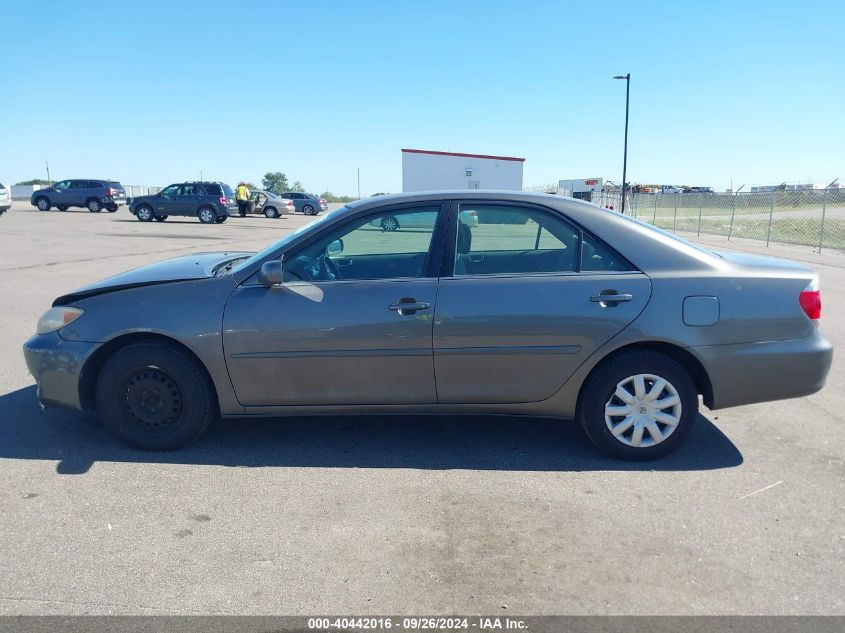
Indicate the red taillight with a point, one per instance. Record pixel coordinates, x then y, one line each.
223 200
322 201
811 300
109 193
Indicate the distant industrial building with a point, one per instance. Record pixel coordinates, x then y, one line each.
581 188
424 170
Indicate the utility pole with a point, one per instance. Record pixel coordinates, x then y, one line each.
49 182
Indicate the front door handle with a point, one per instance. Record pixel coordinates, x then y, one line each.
610 298
408 306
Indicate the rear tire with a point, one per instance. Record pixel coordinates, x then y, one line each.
61 207
154 397
144 213
389 224
630 425
94 206
270 212
308 210
42 204
206 215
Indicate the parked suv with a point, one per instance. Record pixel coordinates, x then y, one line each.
306 203
95 195
209 202
5 199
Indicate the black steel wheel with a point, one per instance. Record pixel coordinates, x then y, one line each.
155 397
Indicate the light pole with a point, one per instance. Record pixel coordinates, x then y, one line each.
627 79
359 183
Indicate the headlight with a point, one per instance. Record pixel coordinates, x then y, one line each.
56 318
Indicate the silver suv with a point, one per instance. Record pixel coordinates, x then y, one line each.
94 195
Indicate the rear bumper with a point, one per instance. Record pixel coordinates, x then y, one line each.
56 365
760 372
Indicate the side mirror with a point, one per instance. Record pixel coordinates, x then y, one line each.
272 273
335 248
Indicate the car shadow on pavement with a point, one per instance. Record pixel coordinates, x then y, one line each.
79 440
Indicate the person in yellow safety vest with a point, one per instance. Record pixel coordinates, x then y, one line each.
242 197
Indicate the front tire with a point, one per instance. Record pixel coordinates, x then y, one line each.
154 397
42 204
206 215
94 206
270 212
144 213
639 405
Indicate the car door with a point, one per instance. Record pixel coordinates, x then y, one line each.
61 192
352 324
77 194
519 307
167 201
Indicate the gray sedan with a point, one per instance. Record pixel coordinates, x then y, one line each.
547 306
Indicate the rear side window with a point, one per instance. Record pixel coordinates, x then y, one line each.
78 184
115 185
212 189
507 239
95 184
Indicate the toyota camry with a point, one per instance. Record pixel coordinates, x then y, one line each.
544 306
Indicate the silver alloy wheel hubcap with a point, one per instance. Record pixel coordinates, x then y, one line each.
389 225
144 213
205 214
644 410
42 205
93 206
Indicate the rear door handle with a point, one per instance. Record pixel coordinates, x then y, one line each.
611 298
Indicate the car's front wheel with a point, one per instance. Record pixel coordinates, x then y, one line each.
206 215
94 206
638 405
144 213
42 204
154 397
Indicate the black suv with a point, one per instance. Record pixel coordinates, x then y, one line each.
210 202
95 195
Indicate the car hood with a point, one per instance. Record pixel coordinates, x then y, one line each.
184 268
772 264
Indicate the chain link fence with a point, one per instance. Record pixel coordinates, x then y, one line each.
810 217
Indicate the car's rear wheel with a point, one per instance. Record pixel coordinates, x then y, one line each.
144 213
206 215
161 218
389 224
154 397
94 206
221 219
111 208
61 207
42 204
638 405
308 209
270 212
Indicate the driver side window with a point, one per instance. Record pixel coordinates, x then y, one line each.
172 190
389 245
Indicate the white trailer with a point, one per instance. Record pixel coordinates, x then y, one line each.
424 170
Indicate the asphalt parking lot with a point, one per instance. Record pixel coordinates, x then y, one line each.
398 515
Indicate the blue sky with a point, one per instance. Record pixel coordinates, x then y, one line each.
153 92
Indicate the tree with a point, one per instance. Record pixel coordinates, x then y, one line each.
380 193
34 181
275 181
297 186
328 196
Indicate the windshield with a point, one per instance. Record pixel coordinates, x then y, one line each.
651 227
287 239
